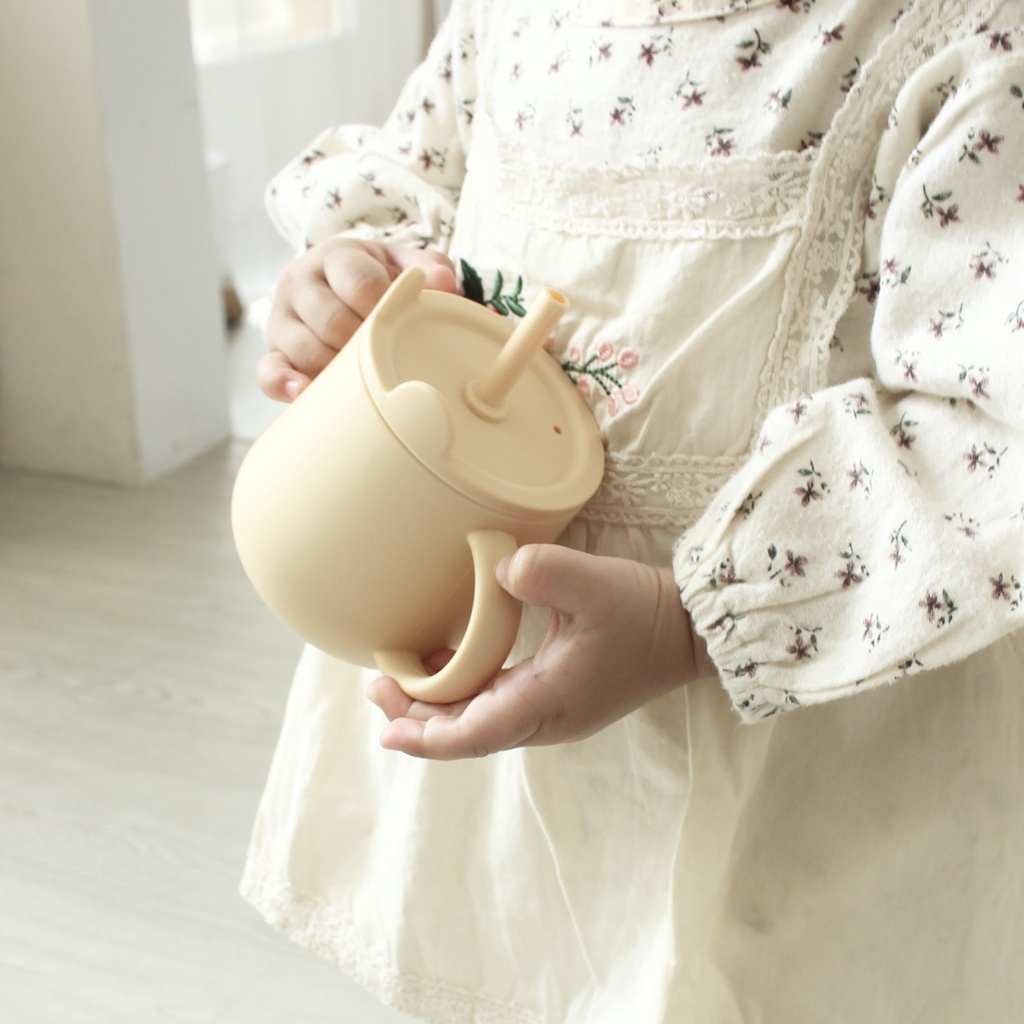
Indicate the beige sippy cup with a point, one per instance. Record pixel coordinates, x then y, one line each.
371 515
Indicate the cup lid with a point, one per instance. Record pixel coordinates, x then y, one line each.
421 355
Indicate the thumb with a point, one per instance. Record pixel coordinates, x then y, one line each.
439 269
550 576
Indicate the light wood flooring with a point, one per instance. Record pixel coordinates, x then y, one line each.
141 689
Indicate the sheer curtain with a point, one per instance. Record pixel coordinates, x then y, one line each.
271 75
226 29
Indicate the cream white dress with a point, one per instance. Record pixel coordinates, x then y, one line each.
792 234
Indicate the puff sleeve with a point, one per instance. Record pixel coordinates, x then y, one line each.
399 182
878 529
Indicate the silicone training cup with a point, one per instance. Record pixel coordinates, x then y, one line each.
371 515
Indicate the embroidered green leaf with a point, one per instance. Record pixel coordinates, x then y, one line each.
499 301
472 286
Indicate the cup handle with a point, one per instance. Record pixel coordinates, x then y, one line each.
490 634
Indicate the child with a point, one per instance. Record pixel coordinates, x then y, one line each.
791 235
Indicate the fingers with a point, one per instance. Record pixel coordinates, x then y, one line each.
438 268
552 576
324 295
499 718
278 379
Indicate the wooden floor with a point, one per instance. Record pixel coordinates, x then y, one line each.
141 689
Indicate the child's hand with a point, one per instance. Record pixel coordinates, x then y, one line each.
619 637
323 296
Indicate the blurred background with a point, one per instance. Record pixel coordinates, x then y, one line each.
137 140
142 684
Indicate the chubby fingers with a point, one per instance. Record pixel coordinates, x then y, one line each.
553 576
278 379
324 295
497 718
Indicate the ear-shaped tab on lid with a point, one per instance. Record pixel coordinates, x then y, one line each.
417 413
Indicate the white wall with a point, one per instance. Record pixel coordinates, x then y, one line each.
112 362
261 110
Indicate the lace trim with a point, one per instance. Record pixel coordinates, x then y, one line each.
823 192
322 929
658 490
822 270
710 199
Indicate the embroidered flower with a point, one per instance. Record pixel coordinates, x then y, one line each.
604 369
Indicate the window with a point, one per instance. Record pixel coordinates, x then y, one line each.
224 29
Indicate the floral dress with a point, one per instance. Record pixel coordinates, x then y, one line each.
792 236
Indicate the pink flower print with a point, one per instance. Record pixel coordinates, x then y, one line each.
978 142
802 648
856 475
1020 194
849 575
984 264
946 318
431 158
603 368
900 544
974 459
879 195
1017 318
1000 588
850 78
575 122
870 286
779 100
904 438
832 35
808 493
930 206
623 113
753 49
931 604
987 142
940 611
718 143
690 94
795 564
999 41
444 70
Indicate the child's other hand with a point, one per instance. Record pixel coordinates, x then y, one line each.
323 296
619 637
